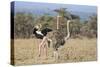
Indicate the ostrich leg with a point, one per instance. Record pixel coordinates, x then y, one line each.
45 48
56 55
41 46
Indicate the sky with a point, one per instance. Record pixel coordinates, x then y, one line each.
70 7
40 8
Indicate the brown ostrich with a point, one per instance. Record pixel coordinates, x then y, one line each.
57 38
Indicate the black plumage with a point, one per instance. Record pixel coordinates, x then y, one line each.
45 31
41 33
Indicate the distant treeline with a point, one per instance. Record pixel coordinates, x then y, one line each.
24 24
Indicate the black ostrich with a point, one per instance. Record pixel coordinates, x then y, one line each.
41 34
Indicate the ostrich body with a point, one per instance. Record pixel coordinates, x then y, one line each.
58 39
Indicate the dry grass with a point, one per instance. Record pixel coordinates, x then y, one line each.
75 50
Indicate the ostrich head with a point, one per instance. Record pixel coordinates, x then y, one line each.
38 26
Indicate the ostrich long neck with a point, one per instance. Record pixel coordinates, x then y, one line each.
58 21
68 32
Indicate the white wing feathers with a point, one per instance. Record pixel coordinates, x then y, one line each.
39 32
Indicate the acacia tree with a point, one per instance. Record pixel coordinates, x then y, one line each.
74 26
62 12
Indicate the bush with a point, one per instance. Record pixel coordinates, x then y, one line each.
23 25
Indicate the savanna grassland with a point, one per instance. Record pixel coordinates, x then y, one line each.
74 50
